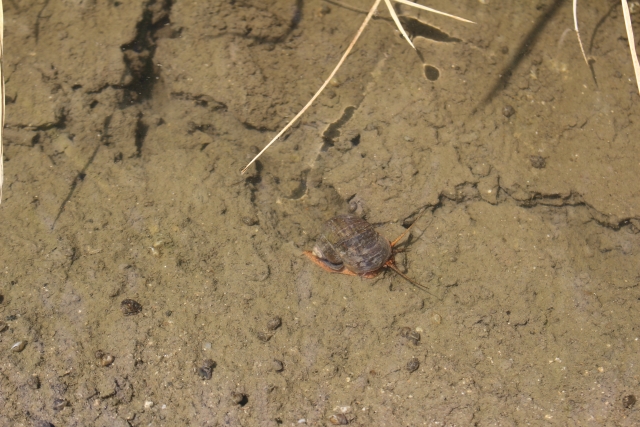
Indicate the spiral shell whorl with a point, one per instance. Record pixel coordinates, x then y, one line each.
353 242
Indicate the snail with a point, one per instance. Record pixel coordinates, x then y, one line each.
350 245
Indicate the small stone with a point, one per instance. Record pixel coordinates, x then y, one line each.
205 371
413 365
19 346
538 162
410 335
628 401
104 359
277 365
250 220
3 326
264 337
130 307
59 404
33 382
274 323
148 404
338 419
508 111
436 318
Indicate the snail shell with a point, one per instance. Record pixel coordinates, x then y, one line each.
351 242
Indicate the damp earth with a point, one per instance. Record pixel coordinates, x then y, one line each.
127 124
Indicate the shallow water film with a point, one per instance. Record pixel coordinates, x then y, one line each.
146 282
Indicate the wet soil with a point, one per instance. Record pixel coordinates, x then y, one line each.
145 273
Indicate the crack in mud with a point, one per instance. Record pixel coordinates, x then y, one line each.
139 53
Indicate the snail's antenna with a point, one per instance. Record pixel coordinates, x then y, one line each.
413 282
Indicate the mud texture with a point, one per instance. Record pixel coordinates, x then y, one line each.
152 284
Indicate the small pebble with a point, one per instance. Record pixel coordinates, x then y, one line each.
413 365
3 326
33 382
277 365
239 398
508 111
104 359
130 307
59 404
628 401
205 371
19 346
264 337
250 220
538 162
436 318
410 335
148 404
338 420
274 323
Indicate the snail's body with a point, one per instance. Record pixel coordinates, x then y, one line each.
351 243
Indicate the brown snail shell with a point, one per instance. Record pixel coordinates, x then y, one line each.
349 241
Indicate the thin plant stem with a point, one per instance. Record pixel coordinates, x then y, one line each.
575 23
428 9
326 82
372 11
632 43
395 18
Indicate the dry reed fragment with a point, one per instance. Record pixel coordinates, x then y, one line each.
395 18
575 23
346 53
632 43
630 38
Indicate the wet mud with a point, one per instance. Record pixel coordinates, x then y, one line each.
145 281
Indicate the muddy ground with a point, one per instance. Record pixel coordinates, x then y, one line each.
128 122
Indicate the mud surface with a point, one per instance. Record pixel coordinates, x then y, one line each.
146 275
